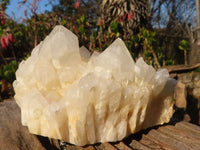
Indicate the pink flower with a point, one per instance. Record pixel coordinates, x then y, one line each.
94 45
77 5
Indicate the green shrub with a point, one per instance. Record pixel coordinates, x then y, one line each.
169 62
7 72
197 69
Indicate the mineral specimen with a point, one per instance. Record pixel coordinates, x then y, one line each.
67 93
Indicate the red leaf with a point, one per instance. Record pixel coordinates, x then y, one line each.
120 19
11 38
130 16
7 42
124 16
99 43
99 22
2 22
75 29
3 43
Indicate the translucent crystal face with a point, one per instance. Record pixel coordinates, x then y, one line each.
66 93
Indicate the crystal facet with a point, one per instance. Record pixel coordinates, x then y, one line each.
66 93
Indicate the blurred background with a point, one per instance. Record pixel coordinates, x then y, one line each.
163 32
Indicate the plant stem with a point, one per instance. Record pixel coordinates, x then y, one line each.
35 29
185 56
99 43
3 58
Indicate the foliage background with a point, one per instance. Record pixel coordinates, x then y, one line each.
161 31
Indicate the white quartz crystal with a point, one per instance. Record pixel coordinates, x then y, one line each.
66 93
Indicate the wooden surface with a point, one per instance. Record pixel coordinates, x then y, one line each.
14 136
181 136
181 68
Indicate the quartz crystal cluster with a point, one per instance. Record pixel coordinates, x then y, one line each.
67 93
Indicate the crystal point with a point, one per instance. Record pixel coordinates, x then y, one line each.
66 93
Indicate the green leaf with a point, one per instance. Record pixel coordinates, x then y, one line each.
153 34
78 21
183 45
81 29
147 53
83 19
63 22
181 48
118 34
7 72
114 26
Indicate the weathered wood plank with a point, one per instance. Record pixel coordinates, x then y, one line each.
162 145
188 132
182 136
104 146
190 126
172 133
89 147
122 146
14 136
182 68
166 141
150 143
55 143
137 145
73 147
